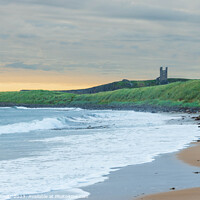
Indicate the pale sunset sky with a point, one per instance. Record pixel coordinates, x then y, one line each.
70 44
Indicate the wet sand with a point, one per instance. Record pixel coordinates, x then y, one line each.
165 172
190 156
130 182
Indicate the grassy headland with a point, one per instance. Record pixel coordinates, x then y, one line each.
178 94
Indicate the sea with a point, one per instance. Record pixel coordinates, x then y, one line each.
51 153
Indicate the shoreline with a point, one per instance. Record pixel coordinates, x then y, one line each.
186 194
159 172
137 108
134 181
166 173
191 157
122 183
191 154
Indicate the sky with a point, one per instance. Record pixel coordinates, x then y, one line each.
71 44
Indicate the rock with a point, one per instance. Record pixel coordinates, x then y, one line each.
196 172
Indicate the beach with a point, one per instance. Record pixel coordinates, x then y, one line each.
99 100
120 154
187 194
176 171
190 156
134 181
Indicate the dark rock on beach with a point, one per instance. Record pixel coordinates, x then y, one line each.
139 108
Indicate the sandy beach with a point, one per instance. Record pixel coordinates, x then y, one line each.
190 156
188 194
154 180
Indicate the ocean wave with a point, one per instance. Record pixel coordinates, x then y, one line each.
5 107
70 161
47 108
84 121
56 123
44 124
84 159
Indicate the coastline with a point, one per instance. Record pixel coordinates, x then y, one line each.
191 157
119 184
132 182
133 107
166 173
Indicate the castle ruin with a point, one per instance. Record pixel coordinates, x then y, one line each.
163 79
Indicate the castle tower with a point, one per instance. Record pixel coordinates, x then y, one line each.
163 75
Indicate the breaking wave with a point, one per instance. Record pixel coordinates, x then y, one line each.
46 108
44 124
64 163
84 121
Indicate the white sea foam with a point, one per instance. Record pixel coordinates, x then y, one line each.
23 127
76 160
47 108
89 120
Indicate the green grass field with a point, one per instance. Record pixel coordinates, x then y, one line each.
181 94
184 94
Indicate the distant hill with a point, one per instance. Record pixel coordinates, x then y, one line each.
177 96
120 85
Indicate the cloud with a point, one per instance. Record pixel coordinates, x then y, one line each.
128 9
70 4
26 36
4 36
99 36
21 65
149 12
106 68
121 9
